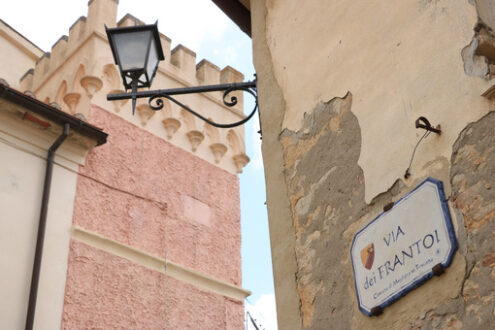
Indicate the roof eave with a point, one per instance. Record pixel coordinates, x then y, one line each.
53 114
237 12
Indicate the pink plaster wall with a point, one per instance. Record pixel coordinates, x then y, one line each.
104 291
188 307
108 292
138 189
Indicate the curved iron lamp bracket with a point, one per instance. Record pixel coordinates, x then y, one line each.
157 99
156 103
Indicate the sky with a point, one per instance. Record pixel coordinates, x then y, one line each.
202 27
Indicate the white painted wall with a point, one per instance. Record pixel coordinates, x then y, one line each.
22 173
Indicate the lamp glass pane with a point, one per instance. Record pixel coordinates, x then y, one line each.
152 59
131 48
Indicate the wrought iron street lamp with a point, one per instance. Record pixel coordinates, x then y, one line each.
137 51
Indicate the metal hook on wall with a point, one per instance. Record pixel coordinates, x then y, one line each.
423 123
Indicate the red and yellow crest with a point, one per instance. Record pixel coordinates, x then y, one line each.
368 256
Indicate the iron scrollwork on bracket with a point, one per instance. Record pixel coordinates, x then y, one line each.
156 103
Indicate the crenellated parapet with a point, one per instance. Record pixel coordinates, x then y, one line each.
79 71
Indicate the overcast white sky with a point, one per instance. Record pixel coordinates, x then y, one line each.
263 312
202 27
52 18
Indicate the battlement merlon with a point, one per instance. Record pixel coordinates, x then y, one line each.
101 13
129 20
207 73
179 62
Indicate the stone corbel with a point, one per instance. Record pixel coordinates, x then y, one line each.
218 150
145 113
91 85
72 100
195 138
171 126
240 161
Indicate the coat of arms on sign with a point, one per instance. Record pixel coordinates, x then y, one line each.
368 256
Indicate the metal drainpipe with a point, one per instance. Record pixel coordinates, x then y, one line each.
33 294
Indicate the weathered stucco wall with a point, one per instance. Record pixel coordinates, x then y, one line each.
281 226
339 99
399 59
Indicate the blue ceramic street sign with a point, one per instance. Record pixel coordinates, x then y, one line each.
398 250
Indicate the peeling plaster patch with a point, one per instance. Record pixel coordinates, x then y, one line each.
393 94
472 177
326 192
474 65
325 189
479 56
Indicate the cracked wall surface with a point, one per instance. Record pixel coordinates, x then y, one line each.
326 183
338 114
399 59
